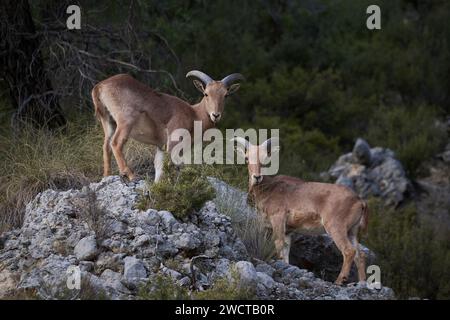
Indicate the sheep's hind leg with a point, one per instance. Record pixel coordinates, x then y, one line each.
360 257
348 253
118 141
109 128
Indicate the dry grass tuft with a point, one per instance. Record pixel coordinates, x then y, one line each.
248 225
37 159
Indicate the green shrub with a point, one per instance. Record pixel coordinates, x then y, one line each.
162 287
411 133
226 289
413 261
180 191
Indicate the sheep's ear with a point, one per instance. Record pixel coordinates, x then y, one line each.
271 146
199 85
233 88
240 151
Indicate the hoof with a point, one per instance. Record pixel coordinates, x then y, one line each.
352 284
126 177
340 282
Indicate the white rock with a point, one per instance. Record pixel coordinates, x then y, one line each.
86 248
246 273
167 219
134 269
265 280
8 283
187 241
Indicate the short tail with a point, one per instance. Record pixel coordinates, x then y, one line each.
98 105
364 221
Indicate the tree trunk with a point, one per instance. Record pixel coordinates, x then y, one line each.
23 68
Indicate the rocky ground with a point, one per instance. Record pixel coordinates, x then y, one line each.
119 248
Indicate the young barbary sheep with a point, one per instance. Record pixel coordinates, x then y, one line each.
291 204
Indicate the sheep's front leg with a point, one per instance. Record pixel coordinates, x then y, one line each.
159 164
282 241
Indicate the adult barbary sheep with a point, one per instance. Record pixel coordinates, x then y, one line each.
291 204
128 108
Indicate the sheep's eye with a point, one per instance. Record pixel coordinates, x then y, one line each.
205 94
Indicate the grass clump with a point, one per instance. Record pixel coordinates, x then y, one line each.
257 238
250 227
35 160
95 216
180 191
226 288
162 287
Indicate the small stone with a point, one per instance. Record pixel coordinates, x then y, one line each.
187 241
247 273
265 280
142 240
151 217
267 269
113 280
184 282
86 248
87 266
134 269
167 219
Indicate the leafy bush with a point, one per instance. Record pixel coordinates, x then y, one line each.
226 289
180 191
162 287
413 261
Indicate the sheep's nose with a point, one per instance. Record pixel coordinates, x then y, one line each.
257 178
216 115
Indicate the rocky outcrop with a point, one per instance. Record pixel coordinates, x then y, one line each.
116 249
372 172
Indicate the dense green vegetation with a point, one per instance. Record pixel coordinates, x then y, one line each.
413 260
181 190
313 70
316 72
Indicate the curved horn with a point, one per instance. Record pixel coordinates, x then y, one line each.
200 75
228 80
242 141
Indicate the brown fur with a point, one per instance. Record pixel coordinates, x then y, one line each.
291 204
128 108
